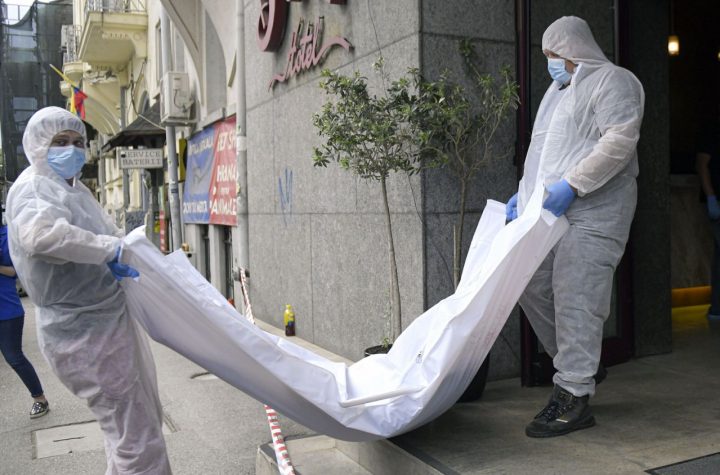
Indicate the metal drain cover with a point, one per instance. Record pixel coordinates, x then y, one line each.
80 437
63 440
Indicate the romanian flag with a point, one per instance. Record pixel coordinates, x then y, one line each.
77 98
77 102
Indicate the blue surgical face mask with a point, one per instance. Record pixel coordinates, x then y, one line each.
66 161
556 68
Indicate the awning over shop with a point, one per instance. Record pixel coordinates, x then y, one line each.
140 132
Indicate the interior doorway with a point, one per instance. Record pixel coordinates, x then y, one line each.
694 99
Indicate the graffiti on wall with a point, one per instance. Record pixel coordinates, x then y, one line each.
285 190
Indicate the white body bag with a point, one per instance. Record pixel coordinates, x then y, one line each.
428 368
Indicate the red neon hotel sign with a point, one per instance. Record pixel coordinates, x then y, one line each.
307 48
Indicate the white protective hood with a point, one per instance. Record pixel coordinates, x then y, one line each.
570 37
590 134
42 127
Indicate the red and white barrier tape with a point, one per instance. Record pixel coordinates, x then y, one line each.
285 465
281 453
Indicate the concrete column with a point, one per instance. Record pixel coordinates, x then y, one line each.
125 173
173 197
649 247
242 244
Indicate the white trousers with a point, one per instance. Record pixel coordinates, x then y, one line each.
568 299
134 443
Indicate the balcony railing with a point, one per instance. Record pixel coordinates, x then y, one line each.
115 6
70 41
113 31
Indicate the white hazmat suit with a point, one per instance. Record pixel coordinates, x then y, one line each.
60 242
585 133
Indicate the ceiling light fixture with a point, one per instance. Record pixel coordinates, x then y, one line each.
673 39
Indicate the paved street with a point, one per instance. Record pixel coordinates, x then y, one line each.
645 421
216 428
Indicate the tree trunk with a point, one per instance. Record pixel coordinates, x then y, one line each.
394 283
457 254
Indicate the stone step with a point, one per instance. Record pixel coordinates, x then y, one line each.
324 455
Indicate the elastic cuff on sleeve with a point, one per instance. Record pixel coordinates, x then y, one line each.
572 182
114 243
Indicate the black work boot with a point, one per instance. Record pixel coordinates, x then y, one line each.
563 414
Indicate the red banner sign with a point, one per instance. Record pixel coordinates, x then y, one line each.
223 183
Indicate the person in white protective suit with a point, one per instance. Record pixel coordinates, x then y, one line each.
66 252
583 147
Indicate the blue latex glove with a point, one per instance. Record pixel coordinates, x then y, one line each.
511 208
120 271
713 207
560 196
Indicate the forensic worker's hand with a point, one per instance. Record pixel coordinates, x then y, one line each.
560 196
713 207
120 271
511 208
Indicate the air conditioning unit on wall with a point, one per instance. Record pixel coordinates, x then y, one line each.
175 99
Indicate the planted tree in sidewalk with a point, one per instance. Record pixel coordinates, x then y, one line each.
414 125
458 127
371 136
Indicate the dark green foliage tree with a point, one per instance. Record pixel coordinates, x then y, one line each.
372 136
415 124
458 127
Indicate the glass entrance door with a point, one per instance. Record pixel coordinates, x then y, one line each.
608 20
